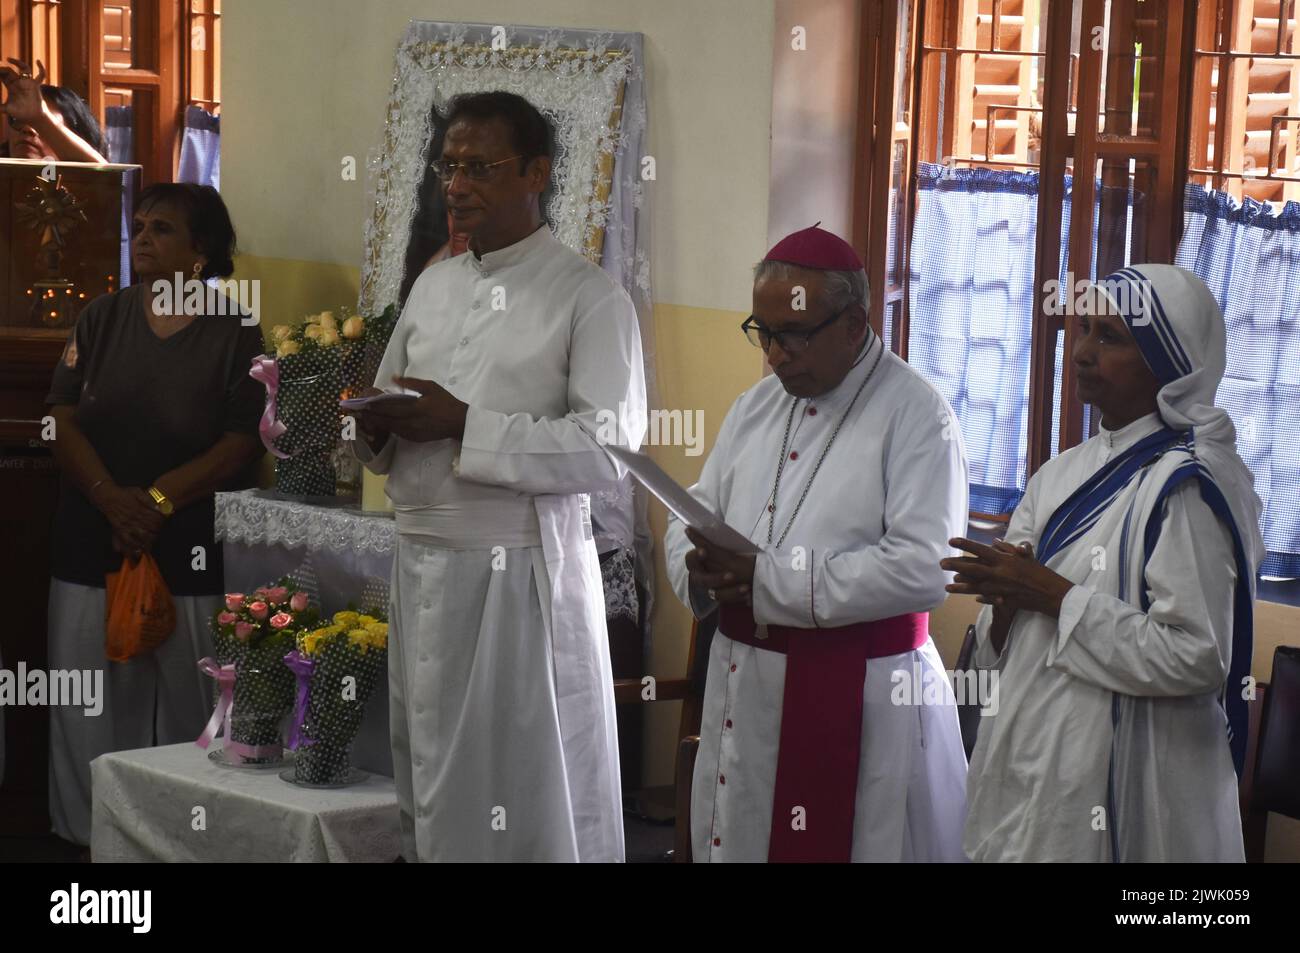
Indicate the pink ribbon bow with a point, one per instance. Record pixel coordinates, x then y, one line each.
225 676
266 372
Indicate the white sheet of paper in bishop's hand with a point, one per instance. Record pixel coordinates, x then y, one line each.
358 403
680 502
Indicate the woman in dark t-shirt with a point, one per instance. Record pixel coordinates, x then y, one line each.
154 412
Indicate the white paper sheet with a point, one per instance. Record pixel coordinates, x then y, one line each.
684 506
359 403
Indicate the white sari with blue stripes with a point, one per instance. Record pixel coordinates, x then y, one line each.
1110 741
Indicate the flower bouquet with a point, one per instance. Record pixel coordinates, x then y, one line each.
254 689
337 667
317 363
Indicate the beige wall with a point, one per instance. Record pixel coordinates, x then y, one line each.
306 82
704 362
814 113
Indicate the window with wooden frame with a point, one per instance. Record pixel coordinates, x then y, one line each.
1077 102
1245 120
203 64
138 63
884 146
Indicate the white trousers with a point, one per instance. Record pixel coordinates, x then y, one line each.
487 763
159 698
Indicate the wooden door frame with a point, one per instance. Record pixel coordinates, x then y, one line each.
875 140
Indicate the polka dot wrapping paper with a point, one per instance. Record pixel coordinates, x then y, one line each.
263 694
308 405
254 632
348 660
313 379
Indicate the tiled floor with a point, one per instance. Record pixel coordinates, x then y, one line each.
646 842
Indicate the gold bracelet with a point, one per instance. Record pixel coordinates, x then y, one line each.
164 505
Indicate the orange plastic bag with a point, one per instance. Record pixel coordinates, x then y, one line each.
141 613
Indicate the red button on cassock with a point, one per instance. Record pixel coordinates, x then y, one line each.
733 667
728 722
794 454
722 779
717 842
812 411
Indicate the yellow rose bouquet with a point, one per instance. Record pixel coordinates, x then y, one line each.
338 665
319 361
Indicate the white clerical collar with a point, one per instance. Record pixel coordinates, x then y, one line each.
1123 438
838 396
511 254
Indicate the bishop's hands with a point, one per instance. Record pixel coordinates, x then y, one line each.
435 415
728 576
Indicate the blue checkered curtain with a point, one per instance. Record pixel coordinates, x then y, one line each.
972 303
118 134
971 308
1249 254
200 160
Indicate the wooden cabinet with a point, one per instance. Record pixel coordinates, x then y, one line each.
65 228
28 493
41 295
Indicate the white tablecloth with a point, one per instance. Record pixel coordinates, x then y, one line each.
144 810
339 554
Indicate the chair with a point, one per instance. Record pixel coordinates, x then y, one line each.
1271 779
689 690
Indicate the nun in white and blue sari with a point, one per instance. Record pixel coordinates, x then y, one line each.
1118 610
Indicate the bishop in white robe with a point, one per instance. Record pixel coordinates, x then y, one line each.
831 615
502 706
1118 608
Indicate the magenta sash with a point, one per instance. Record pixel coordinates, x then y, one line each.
821 725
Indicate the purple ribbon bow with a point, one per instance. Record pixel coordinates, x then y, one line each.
302 668
266 372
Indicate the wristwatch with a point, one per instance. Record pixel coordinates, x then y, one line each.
164 505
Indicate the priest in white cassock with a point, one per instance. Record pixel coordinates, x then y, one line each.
502 706
846 469
1119 607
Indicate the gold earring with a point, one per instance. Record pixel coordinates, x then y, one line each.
198 270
